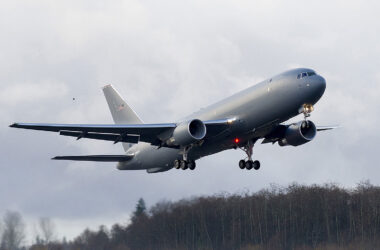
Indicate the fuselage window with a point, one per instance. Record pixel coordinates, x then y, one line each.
304 74
310 73
299 76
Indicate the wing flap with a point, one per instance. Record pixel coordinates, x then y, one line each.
101 158
106 137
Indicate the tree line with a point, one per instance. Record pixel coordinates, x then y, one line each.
12 231
293 217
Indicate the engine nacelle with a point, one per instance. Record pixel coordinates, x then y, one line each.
187 133
298 134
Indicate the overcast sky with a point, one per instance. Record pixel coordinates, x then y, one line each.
168 59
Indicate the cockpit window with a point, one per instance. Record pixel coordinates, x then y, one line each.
305 74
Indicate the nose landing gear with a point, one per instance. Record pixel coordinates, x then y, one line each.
249 164
306 109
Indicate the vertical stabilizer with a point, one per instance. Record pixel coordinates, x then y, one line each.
120 110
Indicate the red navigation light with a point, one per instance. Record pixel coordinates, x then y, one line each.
237 140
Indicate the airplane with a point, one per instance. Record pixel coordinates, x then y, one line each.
236 122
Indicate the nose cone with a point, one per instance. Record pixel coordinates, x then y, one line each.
320 85
314 89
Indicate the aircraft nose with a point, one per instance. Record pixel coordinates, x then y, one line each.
321 85
315 88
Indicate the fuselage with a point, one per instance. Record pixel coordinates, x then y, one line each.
254 110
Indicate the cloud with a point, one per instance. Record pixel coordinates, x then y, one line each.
169 59
26 93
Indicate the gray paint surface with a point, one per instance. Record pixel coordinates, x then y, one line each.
270 102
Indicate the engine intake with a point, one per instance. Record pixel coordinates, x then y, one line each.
298 134
187 133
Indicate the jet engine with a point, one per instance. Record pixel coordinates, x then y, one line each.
298 133
187 133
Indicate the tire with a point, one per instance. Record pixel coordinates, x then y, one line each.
249 165
256 165
183 165
176 164
191 164
242 164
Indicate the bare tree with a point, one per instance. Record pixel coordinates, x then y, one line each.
47 229
14 231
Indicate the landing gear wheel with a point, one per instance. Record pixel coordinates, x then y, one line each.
191 164
249 165
176 164
256 165
183 165
242 164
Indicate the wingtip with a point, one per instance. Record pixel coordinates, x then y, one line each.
13 125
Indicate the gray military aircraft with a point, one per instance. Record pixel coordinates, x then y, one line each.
236 122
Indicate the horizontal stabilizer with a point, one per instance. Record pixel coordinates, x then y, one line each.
103 158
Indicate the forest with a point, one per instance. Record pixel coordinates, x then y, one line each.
294 217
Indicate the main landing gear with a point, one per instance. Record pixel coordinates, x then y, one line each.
249 164
185 163
182 164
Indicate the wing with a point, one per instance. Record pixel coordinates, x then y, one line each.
324 128
109 132
278 132
131 133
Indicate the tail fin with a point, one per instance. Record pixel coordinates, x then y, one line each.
121 112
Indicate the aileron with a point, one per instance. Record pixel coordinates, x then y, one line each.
102 136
